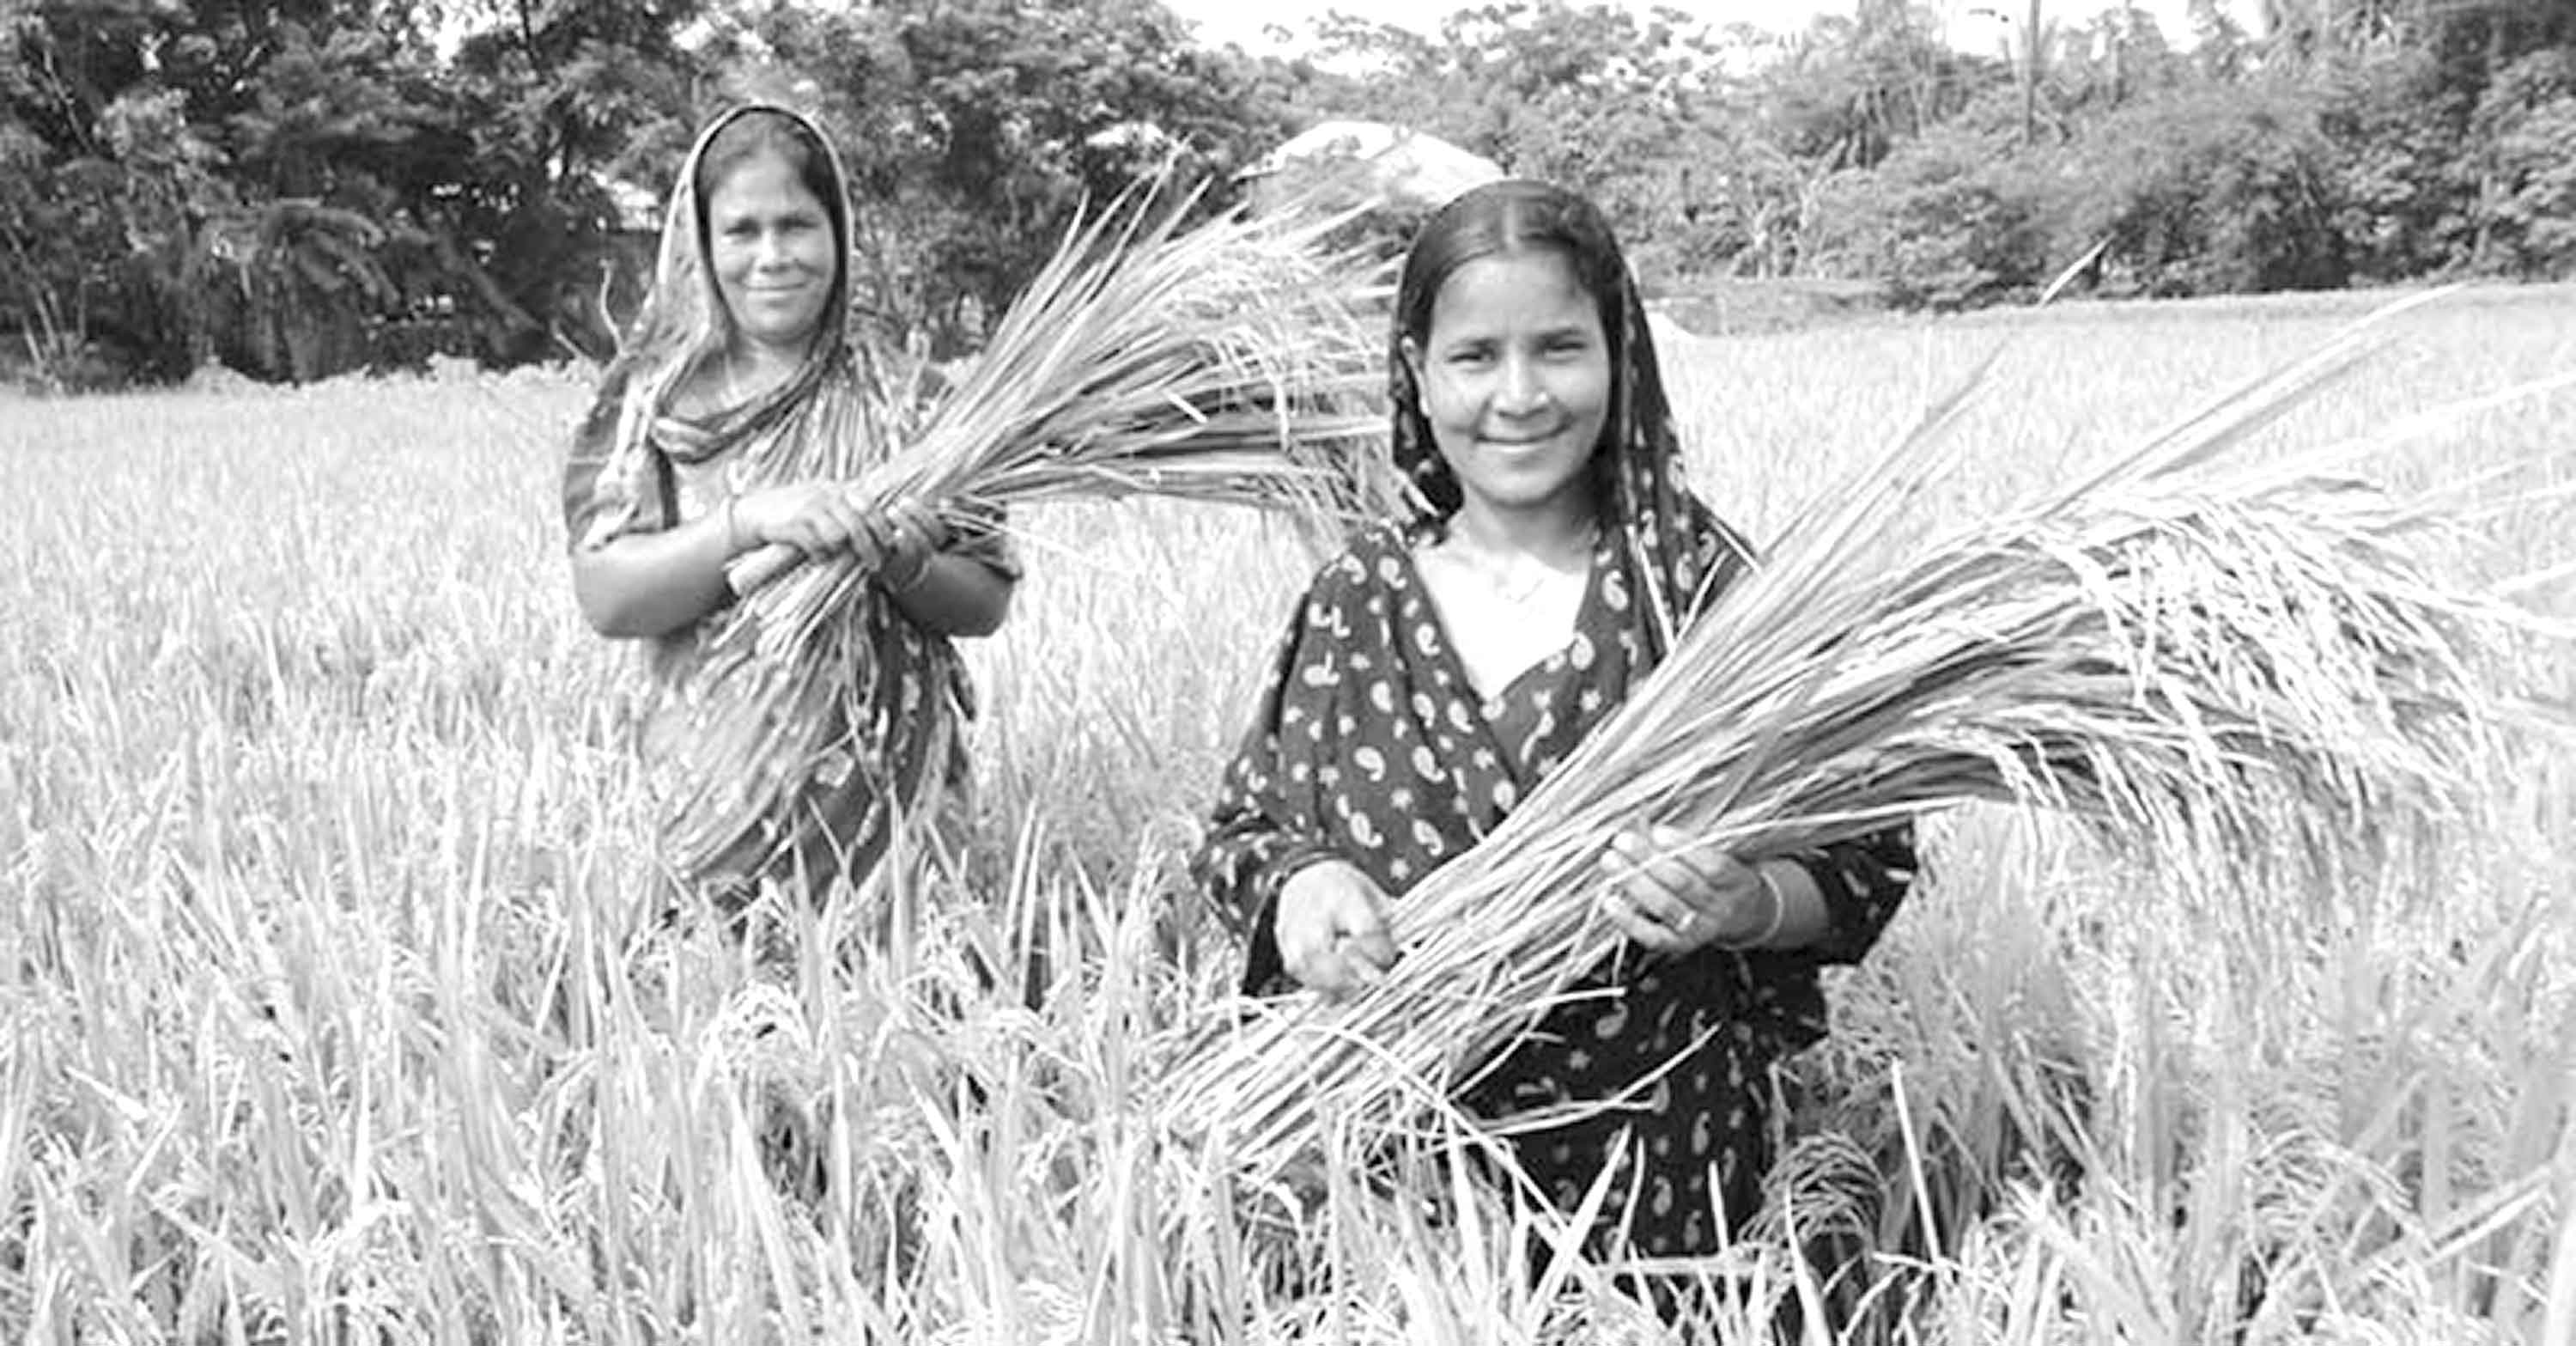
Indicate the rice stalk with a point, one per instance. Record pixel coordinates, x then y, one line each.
1222 363
2223 670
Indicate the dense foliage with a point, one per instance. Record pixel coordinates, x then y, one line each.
296 188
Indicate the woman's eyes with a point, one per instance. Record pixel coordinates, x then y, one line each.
1570 346
748 229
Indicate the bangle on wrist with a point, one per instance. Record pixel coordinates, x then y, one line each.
733 531
1779 912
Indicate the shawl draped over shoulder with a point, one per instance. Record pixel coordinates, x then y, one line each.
640 463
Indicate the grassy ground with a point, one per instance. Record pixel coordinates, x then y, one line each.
338 1006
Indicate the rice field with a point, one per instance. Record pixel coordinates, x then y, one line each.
340 1004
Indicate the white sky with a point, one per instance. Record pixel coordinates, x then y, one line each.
1973 25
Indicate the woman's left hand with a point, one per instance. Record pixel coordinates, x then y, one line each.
1672 892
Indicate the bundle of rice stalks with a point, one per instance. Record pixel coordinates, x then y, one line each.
1224 362
2221 671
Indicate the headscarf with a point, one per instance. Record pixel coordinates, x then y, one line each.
1675 546
640 465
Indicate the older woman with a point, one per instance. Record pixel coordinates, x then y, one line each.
738 406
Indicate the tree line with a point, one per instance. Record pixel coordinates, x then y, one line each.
304 187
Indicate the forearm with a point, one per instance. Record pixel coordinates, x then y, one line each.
651 584
1244 859
1250 849
1803 917
953 595
1242 866
1836 901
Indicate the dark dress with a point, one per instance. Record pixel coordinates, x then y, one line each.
1371 746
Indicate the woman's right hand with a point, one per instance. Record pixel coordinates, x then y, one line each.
1331 928
817 518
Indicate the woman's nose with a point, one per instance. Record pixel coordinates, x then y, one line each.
1521 388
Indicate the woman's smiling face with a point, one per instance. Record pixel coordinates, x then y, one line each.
1514 374
770 242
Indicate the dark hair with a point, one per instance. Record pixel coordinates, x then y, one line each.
755 131
1513 217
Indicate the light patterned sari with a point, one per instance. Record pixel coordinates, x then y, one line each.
639 464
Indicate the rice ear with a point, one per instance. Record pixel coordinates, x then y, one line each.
2206 663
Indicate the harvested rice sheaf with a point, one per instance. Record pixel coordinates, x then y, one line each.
1222 362
2221 668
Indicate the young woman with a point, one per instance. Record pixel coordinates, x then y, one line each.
1439 670
701 445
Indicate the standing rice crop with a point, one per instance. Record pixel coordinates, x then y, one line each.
1224 362
2223 668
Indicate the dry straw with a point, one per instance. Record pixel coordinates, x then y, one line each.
2220 667
1222 361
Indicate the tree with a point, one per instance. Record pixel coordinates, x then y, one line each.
2406 196
1950 220
2223 190
327 149
108 180
555 101
2528 215
289 286
1853 87
276 181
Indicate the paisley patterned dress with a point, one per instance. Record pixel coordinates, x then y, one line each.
1371 746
